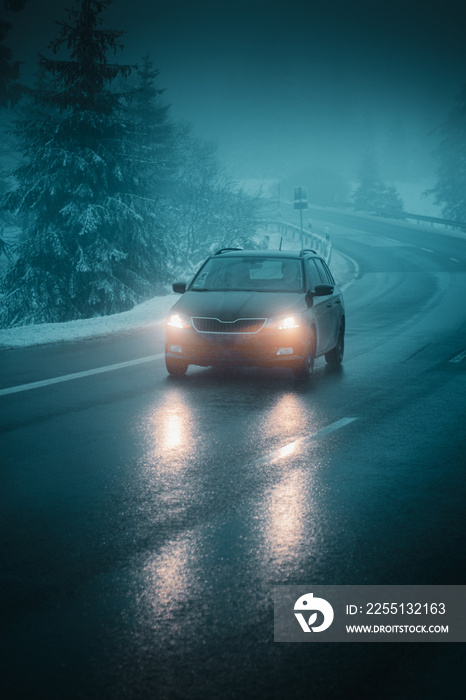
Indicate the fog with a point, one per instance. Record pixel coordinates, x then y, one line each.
293 90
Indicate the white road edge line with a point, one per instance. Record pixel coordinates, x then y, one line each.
289 449
345 286
78 375
428 250
459 357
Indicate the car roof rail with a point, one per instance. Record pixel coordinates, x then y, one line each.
306 250
226 250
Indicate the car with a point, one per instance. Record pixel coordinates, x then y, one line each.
257 308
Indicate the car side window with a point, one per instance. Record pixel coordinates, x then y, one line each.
324 272
313 275
329 274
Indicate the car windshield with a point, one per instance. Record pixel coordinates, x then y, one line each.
248 273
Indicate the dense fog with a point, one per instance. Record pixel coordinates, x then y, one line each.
294 89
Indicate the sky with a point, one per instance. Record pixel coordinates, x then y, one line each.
290 87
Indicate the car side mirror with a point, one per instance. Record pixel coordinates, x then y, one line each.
323 290
179 287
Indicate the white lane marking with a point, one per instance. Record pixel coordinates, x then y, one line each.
459 357
428 250
291 447
455 260
78 375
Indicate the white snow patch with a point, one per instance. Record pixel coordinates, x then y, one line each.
149 313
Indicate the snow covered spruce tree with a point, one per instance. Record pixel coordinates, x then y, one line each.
156 131
94 247
9 69
372 194
450 190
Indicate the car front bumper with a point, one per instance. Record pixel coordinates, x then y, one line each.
264 349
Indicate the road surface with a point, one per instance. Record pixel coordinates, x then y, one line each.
145 520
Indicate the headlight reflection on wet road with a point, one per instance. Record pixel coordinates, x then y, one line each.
167 578
285 514
173 431
168 431
288 417
271 501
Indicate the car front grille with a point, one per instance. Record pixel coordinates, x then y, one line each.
241 325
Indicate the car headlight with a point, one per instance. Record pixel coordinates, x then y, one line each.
178 321
285 322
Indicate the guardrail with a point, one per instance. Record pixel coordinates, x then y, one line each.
393 214
310 239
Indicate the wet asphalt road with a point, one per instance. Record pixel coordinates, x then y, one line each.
145 520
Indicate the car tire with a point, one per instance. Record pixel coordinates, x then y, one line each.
305 368
335 356
175 367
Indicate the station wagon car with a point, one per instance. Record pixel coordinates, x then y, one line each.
257 308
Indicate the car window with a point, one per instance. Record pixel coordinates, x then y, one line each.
314 277
324 272
238 273
327 270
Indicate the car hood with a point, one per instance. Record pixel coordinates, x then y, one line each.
229 306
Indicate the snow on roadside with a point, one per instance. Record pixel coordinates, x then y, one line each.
149 313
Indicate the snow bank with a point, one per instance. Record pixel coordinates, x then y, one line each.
144 315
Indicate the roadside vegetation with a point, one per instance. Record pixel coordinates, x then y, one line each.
115 195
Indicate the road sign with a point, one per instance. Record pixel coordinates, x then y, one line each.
300 197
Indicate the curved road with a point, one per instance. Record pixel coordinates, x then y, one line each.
145 520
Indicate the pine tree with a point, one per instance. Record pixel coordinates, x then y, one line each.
9 70
372 194
10 94
156 134
93 247
450 190
10 89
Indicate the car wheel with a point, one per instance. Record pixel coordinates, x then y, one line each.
177 368
335 356
305 368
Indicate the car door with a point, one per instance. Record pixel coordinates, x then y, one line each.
322 308
334 302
